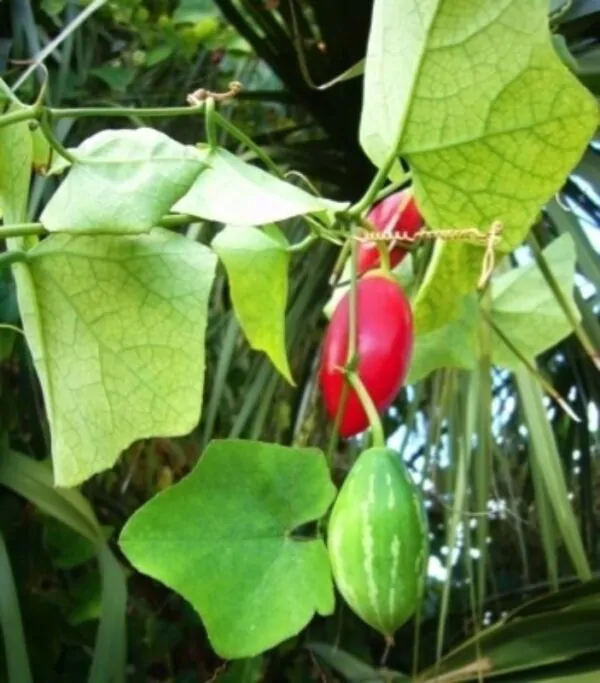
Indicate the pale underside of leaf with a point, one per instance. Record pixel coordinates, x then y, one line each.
233 192
123 181
523 307
116 328
526 310
474 97
257 269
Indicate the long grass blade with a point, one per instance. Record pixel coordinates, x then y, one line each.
33 481
45 52
109 660
549 469
15 647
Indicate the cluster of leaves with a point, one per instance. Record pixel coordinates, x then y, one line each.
115 313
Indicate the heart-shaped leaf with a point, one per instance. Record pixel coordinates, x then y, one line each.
491 122
116 329
223 538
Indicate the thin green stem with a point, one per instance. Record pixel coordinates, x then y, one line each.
384 257
370 409
210 125
303 244
530 366
376 185
338 268
125 112
169 222
351 361
176 221
242 138
390 189
21 230
353 357
11 328
7 258
18 116
54 142
353 305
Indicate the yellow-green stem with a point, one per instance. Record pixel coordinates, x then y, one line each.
54 142
210 124
369 407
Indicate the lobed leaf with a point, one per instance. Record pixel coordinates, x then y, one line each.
223 538
477 101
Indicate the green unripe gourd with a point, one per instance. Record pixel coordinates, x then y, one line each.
378 541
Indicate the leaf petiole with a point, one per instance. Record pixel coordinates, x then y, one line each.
19 116
210 126
7 258
53 141
369 407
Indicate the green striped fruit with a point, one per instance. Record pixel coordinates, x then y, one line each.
378 541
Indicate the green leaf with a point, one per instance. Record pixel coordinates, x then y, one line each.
9 314
544 449
243 671
115 77
66 547
15 646
452 346
124 181
562 50
353 669
523 307
354 71
526 310
85 593
16 154
257 268
158 54
192 11
54 7
42 152
116 329
506 124
33 481
222 538
233 192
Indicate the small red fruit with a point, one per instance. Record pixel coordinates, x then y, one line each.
395 215
384 346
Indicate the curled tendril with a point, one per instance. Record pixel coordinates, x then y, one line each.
202 94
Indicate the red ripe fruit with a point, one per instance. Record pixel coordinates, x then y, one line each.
394 215
384 345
